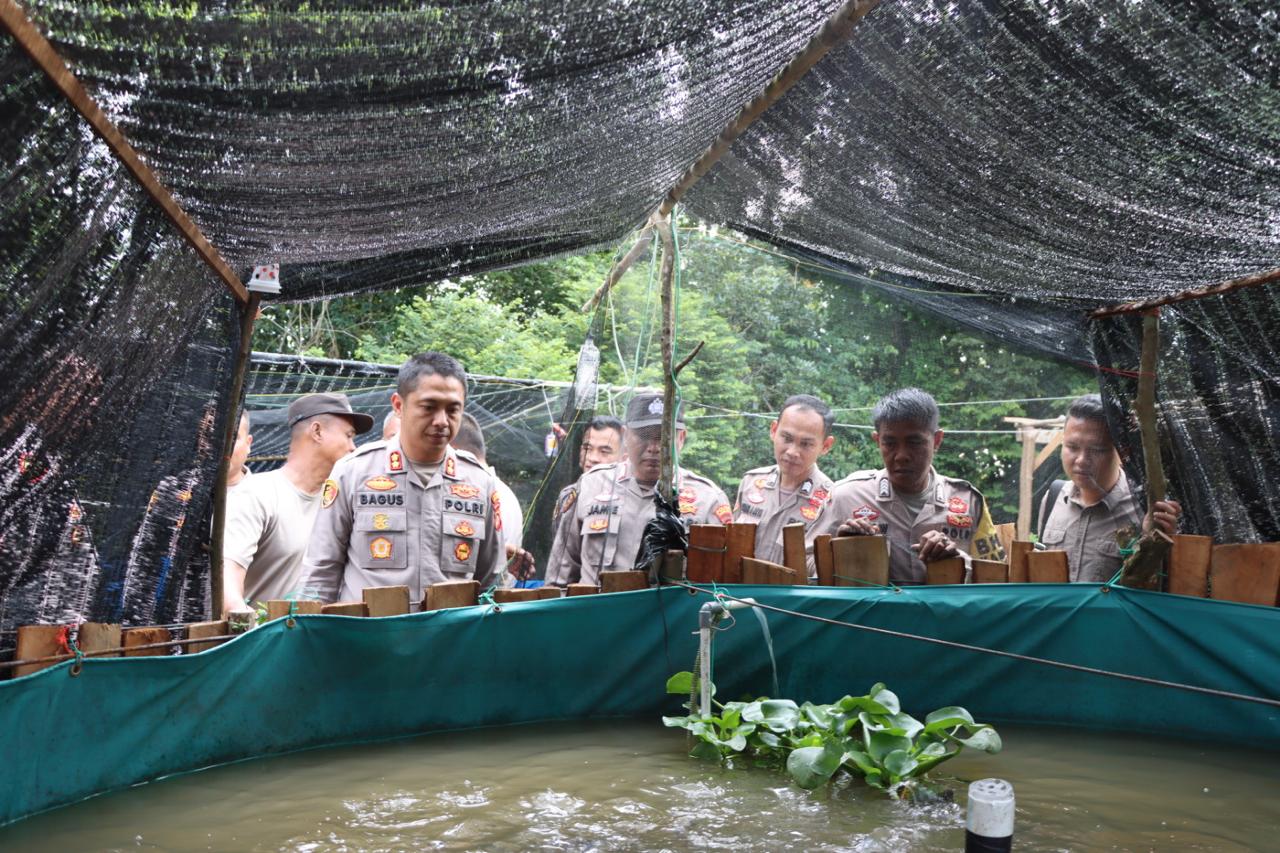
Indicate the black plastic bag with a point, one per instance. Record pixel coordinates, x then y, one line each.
664 532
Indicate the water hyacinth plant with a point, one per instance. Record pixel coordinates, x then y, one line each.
868 736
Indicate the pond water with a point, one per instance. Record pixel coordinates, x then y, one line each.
628 785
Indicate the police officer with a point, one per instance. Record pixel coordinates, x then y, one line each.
924 515
601 525
1097 509
793 490
601 444
410 511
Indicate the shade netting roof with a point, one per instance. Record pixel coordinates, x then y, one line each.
1009 165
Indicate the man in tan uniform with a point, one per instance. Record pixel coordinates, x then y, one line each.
412 510
601 526
793 490
924 515
601 445
1088 518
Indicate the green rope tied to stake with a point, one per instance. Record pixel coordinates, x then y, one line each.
486 598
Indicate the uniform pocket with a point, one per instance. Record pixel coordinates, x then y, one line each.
462 535
1054 536
381 539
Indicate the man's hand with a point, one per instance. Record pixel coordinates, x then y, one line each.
520 563
1164 515
858 526
935 545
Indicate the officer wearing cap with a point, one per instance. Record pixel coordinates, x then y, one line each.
793 490
270 516
601 525
412 510
924 515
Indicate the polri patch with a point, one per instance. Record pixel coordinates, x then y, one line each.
328 493
380 548
380 483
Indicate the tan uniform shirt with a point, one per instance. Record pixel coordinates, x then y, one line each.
761 502
1088 534
379 526
268 529
955 507
601 526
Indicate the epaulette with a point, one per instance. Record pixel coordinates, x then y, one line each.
868 474
368 447
467 456
956 481
764 469
692 476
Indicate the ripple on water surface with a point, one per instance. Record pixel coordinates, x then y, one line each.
629 786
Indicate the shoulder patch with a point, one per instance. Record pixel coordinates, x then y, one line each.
328 493
724 514
497 509
567 499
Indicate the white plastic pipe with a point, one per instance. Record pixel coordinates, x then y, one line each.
989 827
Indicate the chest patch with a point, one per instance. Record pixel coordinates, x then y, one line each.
469 507
595 525
957 504
867 512
366 499
380 548
380 483
464 528
464 490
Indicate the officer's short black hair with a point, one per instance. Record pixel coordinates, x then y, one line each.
470 437
429 364
1089 408
907 405
810 403
606 422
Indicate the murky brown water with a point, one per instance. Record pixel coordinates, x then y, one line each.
629 786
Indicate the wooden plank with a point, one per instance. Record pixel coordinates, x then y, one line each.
1047 567
48 60
582 589
549 591
785 575
451 594
279 608
345 608
196 630
860 560
1248 573
673 565
386 600
990 571
1018 551
511 596
1026 474
705 562
824 560
740 541
98 637
623 581
793 556
1189 565
1006 533
37 641
761 571
131 637
947 571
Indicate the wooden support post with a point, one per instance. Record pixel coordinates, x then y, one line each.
1189 565
666 477
1018 551
216 567
99 636
990 571
1026 479
582 589
707 545
131 637
793 553
946 571
198 630
513 596
549 592
619 269
623 581
860 560
824 561
1047 567
386 600
1248 573
1006 533
279 608
763 572
345 608
740 541
451 594
36 641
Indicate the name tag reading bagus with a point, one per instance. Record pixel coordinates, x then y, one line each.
367 499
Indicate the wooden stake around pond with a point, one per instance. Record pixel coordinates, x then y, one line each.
823 560
623 581
345 608
740 541
707 547
547 592
1189 562
793 551
279 608
386 600
512 596
1248 573
1047 567
149 636
451 594
37 641
947 571
582 589
763 572
199 630
98 636
990 571
1018 551
860 560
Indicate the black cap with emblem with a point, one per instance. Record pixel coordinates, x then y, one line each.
645 410
328 404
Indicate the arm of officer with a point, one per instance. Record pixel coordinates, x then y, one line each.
491 561
326 558
557 573
569 566
241 535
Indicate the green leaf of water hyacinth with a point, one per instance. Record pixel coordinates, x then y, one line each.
812 766
681 683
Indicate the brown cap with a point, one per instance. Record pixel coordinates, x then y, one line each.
328 404
645 410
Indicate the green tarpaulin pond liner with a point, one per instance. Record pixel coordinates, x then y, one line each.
337 680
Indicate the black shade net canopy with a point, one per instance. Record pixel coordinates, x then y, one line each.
1010 165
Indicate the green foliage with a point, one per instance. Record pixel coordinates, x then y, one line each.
868 736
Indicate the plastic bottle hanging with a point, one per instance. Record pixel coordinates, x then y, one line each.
584 384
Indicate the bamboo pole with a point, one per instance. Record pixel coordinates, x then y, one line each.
620 268
47 59
228 443
667 475
1146 408
835 30
1254 280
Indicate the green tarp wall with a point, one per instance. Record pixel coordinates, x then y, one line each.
333 680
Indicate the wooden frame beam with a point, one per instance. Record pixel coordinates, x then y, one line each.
47 59
1254 280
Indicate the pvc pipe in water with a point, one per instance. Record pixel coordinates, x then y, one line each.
989 826
708 615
